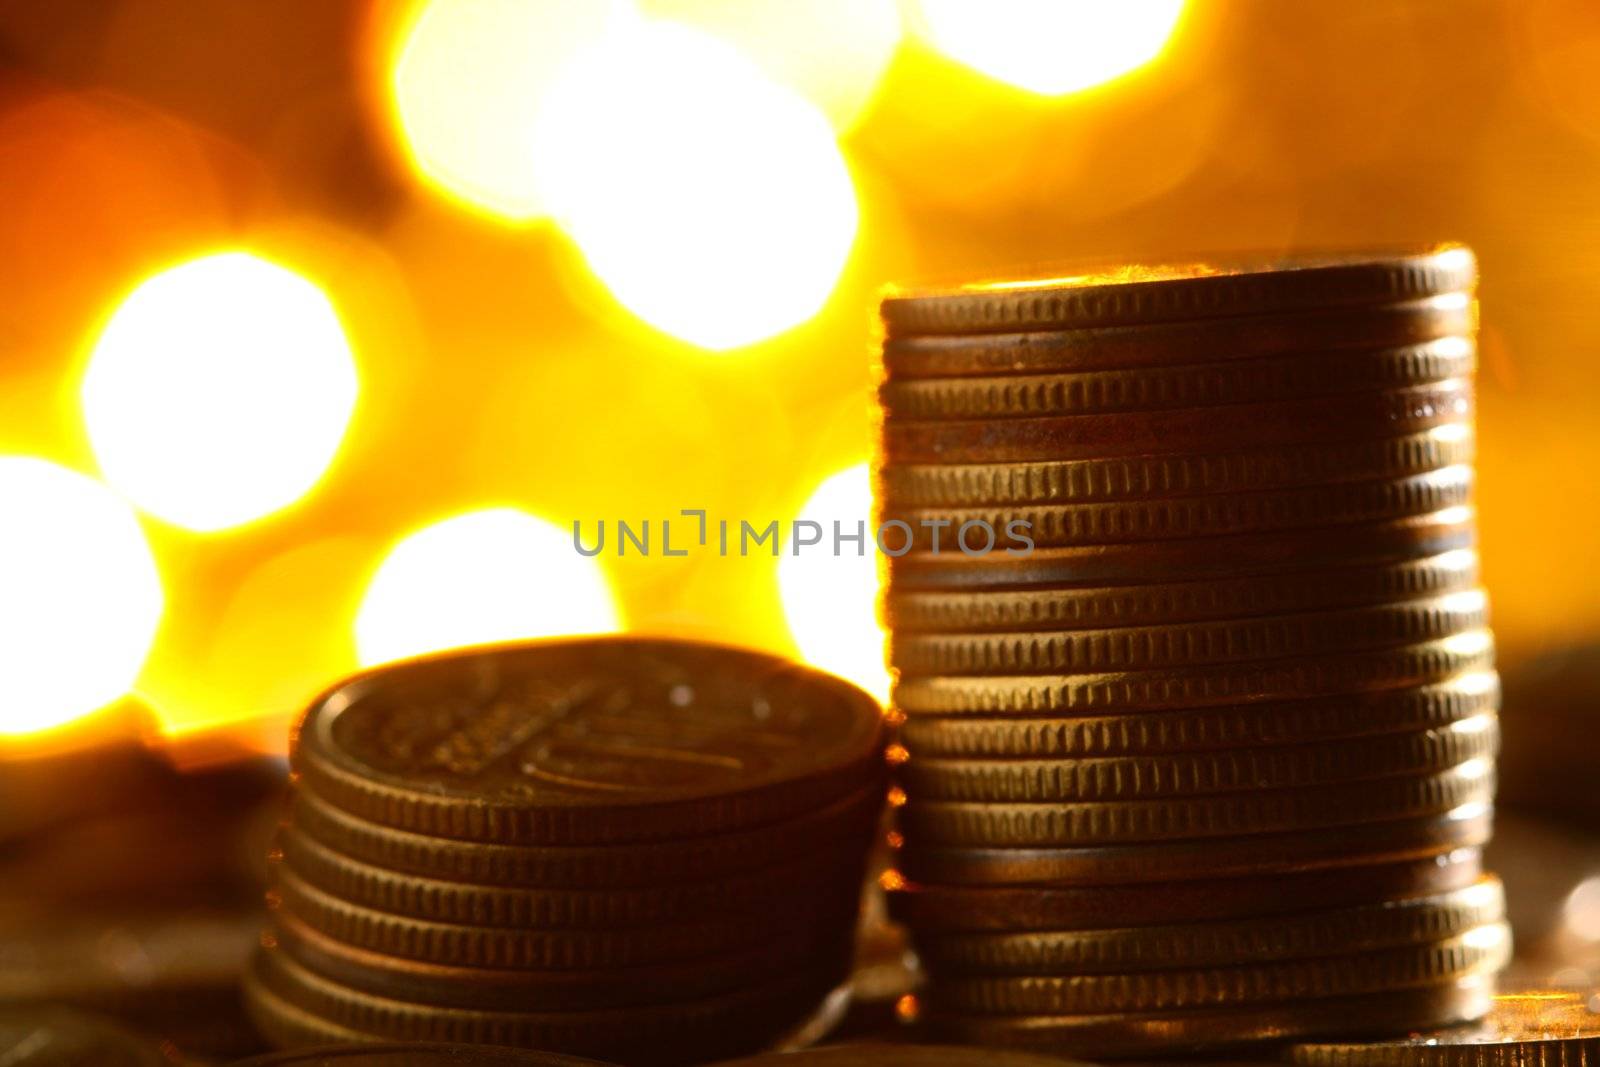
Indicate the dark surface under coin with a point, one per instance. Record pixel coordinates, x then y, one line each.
415 1055
889 1055
61 1037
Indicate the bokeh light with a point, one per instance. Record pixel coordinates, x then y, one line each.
831 601
712 202
1581 911
80 598
832 52
468 78
1050 47
281 636
219 392
494 575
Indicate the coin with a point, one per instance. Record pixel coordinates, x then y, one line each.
414 1054
1178 644
876 1054
1304 935
1173 1033
494 905
852 819
1180 293
914 485
1177 343
1032 825
1169 603
1367 714
1209 684
1352 416
1018 529
1191 385
673 1033
977 531
1538 1027
588 741
1221 771
1191 559
572 990
939 911
287 1026
461 945
1481 950
1220 857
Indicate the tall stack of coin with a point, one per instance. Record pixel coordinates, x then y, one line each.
641 850
1195 691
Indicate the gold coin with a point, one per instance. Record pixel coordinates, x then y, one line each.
1035 825
1303 936
1122 477
1372 713
1179 774
589 741
851 821
1189 385
689 1031
579 990
1183 1032
875 1054
979 531
494 905
1350 416
460 945
1181 644
288 1027
1179 293
1211 684
1521 1029
1212 857
1166 603
1482 950
1190 559
942 912
1178 343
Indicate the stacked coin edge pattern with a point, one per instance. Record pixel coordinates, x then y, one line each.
1210 760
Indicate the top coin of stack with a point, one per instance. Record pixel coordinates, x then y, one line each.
643 850
1195 692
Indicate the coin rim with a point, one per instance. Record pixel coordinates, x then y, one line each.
584 818
1302 283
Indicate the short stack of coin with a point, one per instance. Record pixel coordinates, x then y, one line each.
1195 691
639 850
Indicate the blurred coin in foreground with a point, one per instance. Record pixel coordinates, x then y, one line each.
415 1055
1536 1027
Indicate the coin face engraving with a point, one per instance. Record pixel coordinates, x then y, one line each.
588 723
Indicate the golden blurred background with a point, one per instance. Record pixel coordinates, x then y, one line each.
324 320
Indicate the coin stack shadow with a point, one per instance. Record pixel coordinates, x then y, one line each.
640 850
1195 696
